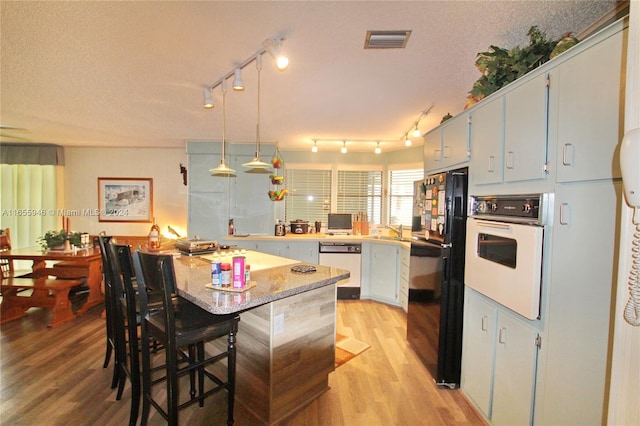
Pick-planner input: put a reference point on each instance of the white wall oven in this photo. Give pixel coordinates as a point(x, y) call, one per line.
point(504, 249)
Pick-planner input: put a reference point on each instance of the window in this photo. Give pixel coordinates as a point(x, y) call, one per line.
point(309, 196)
point(360, 191)
point(401, 195)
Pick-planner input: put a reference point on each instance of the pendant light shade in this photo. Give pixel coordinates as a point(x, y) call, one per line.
point(257, 163)
point(223, 169)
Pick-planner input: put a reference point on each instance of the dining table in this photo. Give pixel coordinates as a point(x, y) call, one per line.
point(89, 257)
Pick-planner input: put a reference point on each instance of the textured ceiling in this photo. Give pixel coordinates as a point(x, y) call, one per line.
point(132, 73)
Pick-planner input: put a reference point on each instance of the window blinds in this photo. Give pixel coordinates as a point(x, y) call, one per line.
point(309, 195)
point(401, 195)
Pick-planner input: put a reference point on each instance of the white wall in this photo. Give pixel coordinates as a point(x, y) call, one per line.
point(83, 166)
point(625, 369)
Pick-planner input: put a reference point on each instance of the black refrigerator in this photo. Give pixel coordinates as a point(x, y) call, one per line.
point(436, 277)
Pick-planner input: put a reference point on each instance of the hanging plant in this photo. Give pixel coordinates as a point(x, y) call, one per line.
point(500, 67)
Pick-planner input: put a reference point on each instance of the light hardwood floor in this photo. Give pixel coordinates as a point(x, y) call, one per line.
point(55, 377)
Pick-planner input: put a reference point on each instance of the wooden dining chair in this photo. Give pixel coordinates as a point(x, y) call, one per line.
point(177, 325)
point(6, 265)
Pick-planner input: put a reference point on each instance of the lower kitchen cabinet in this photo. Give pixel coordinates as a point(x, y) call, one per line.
point(380, 272)
point(499, 359)
point(304, 251)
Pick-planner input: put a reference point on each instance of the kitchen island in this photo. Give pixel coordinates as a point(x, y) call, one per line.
point(286, 336)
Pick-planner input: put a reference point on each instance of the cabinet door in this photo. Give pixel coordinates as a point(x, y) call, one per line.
point(477, 350)
point(271, 247)
point(384, 273)
point(515, 370)
point(455, 141)
point(303, 251)
point(579, 303)
point(487, 142)
point(589, 116)
point(432, 150)
point(526, 130)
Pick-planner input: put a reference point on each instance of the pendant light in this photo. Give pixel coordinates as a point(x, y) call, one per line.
point(257, 163)
point(223, 169)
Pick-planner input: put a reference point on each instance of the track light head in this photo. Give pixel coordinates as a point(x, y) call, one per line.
point(314, 148)
point(407, 141)
point(416, 132)
point(208, 103)
point(344, 147)
point(378, 150)
point(274, 47)
point(238, 84)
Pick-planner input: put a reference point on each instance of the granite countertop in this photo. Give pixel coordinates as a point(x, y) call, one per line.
point(272, 275)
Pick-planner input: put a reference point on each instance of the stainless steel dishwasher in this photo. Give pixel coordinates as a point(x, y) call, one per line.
point(344, 256)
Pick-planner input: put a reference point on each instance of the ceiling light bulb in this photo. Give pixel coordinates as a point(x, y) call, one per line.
point(378, 150)
point(416, 132)
point(344, 147)
point(238, 84)
point(314, 148)
point(407, 141)
point(208, 103)
point(282, 62)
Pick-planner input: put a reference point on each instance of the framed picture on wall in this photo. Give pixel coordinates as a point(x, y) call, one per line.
point(125, 199)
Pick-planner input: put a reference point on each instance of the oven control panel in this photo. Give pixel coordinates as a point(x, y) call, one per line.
point(509, 208)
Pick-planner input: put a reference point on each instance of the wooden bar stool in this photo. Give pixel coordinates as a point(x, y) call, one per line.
point(180, 324)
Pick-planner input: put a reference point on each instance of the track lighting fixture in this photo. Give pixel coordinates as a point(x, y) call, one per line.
point(416, 131)
point(344, 147)
point(223, 169)
point(378, 150)
point(272, 45)
point(208, 103)
point(315, 146)
point(238, 84)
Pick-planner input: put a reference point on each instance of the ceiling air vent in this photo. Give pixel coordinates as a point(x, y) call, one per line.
point(386, 39)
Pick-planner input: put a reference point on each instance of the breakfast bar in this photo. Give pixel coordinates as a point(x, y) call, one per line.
point(286, 337)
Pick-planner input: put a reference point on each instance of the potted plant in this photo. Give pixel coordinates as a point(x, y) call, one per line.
point(54, 240)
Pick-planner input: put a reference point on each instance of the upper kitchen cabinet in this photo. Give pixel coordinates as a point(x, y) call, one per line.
point(586, 99)
point(525, 128)
point(487, 142)
point(447, 145)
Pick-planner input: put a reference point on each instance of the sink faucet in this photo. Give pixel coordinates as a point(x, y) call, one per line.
point(397, 230)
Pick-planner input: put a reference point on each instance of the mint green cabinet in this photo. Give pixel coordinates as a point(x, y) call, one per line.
point(515, 371)
point(525, 140)
point(380, 272)
point(487, 142)
point(586, 100)
point(432, 150)
point(499, 361)
point(478, 336)
point(448, 145)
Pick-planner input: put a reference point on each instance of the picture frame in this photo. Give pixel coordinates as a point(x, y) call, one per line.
point(125, 199)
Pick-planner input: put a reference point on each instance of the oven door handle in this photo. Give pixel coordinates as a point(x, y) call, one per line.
point(494, 225)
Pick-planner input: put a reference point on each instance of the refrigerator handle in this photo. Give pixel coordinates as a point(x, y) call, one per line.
point(445, 271)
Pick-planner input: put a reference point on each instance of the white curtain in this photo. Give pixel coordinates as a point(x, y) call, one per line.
point(28, 202)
